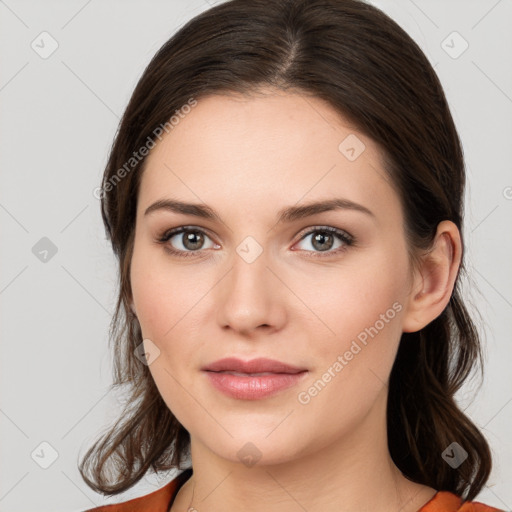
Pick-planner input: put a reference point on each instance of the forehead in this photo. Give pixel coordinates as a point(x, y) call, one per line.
point(265, 149)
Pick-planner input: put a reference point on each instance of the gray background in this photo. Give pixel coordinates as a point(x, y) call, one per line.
point(59, 115)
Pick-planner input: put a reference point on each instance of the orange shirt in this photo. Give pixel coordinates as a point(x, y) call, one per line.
point(161, 500)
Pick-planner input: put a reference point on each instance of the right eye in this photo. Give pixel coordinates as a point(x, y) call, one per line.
point(187, 241)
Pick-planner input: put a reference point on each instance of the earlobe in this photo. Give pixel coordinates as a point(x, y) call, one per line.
point(434, 280)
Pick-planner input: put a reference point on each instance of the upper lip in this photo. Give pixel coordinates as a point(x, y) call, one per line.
point(259, 365)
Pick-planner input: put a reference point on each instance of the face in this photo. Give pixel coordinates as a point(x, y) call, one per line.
point(322, 291)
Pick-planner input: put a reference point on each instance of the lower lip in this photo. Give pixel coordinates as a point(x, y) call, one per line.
point(253, 387)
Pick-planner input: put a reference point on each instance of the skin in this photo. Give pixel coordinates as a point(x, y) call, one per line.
point(247, 157)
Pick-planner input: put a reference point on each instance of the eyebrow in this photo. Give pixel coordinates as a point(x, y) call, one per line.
point(288, 214)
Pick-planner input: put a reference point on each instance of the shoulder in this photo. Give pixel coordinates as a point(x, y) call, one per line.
point(157, 501)
point(444, 501)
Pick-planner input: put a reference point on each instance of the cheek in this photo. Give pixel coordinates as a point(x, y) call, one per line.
point(164, 298)
point(352, 366)
point(351, 300)
point(162, 292)
point(362, 309)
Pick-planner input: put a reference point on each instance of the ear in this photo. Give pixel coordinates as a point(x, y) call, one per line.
point(434, 280)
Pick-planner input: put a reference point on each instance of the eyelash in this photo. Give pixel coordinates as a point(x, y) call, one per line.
point(347, 239)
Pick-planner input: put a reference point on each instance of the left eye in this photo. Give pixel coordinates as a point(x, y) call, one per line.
point(324, 239)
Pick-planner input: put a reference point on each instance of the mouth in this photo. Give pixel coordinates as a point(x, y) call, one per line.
point(252, 380)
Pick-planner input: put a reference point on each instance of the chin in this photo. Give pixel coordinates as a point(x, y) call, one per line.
point(255, 447)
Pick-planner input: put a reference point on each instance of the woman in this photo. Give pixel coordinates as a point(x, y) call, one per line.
point(285, 198)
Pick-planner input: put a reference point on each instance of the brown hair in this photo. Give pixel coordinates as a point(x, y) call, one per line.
point(368, 69)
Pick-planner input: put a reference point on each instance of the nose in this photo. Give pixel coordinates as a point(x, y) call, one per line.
point(251, 297)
